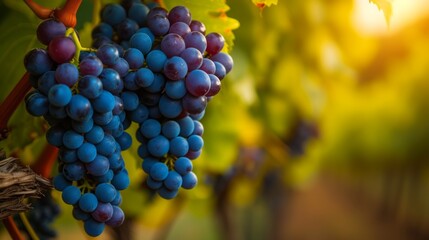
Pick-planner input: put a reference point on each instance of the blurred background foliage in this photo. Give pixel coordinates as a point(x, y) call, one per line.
point(321, 131)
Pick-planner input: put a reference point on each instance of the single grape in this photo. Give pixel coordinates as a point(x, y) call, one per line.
point(153, 184)
point(138, 13)
point(215, 85)
point(180, 28)
point(198, 128)
point(142, 42)
point(158, 24)
point(99, 166)
point(194, 105)
point(111, 80)
point(175, 89)
point(175, 68)
point(102, 29)
point(95, 136)
point(197, 83)
point(90, 86)
point(170, 108)
point(158, 146)
point(93, 228)
point(67, 74)
point(60, 182)
point(90, 65)
point(117, 218)
point(131, 100)
point(55, 135)
point(215, 43)
point(79, 108)
point(167, 193)
point(72, 139)
point(155, 60)
point(102, 118)
point(59, 95)
point(186, 126)
point(103, 212)
point(61, 49)
point(74, 171)
point(220, 70)
point(71, 195)
point(37, 62)
point(197, 26)
point(173, 181)
point(179, 146)
point(179, 14)
point(83, 127)
point(113, 14)
point(87, 152)
point(67, 155)
point(183, 165)
point(224, 59)
point(49, 29)
point(189, 181)
point(104, 103)
point(193, 58)
point(144, 77)
point(157, 85)
point(121, 180)
point(140, 114)
point(208, 66)
point(150, 128)
point(159, 171)
point(107, 146)
point(108, 54)
point(37, 104)
point(172, 44)
point(170, 129)
point(134, 57)
point(196, 40)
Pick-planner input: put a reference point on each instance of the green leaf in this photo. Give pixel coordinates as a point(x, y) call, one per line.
point(213, 14)
point(264, 3)
point(385, 6)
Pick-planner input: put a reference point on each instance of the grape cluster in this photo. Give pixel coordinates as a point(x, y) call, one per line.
point(44, 211)
point(84, 106)
point(174, 70)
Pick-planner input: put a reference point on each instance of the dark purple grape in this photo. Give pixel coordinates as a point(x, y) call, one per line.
point(180, 28)
point(90, 86)
point(49, 29)
point(90, 65)
point(208, 66)
point(67, 74)
point(172, 44)
point(215, 85)
point(61, 49)
point(37, 61)
point(103, 212)
point(179, 14)
point(193, 58)
point(102, 29)
point(194, 105)
point(196, 40)
point(158, 24)
point(108, 54)
point(126, 29)
point(215, 43)
point(122, 67)
point(197, 26)
point(220, 70)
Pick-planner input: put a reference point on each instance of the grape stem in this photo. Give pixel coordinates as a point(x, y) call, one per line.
point(71, 32)
point(28, 226)
point(12, 228)
point(66, 14)
point(11, 103)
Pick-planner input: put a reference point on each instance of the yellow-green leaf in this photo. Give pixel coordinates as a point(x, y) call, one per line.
point(385, 6)
point(264, 3)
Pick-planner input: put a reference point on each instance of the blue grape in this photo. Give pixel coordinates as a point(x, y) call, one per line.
point(153, 184)
point(83, 127)
point(134, 57)
point(124, 141)
point(167, 193)
point(99, 166)
point(170, 108)
point(148, 32)
point(198, 128)
point(95, 136)
point(113, 14)
point(131, 100)
point(189, 180)
point(220, 70)
point(138, 13)
point(197, 83)
point(150, 128)
point(60, 182)
point(193, 154)
point(105, 178)
point(208, 66)
point(173, 181)
point(71, 195)
point(183, 165)
point(93, 228)
point(79, 108)
point(90, 86)
point(67, 155)
point(74, 171)
point(57, 112)
point(225, 59)
point(195, 142)
point(179, 146)
point(55, 135)
point(87, 152)
point(107, 146)
point(72, 139)
point(102, 118)
point(130, 81)
point(142, 42)
point(140, 114)
point(37, 62)
point(67, 74)
point(175, 68)
point(59, 95)
point(104, 103)
point(159, 171)
point(121, 67)
point(79, 214)
point(46, 81)
point(186, 126)
point(105, 192)
point(175, 89)
point(158, 146)
point(142, 151)
point(121, 180)
point(102, 29)
point(157, 84)
point(144, 77)
point(155, 60)
point(170, 129)
point(37, 104)
point(112, 81)
point(108, 54)
point(148, 163)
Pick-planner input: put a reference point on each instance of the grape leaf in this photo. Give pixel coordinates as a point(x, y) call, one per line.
point(385, 6)
point(213, 14)
point(264, 3)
